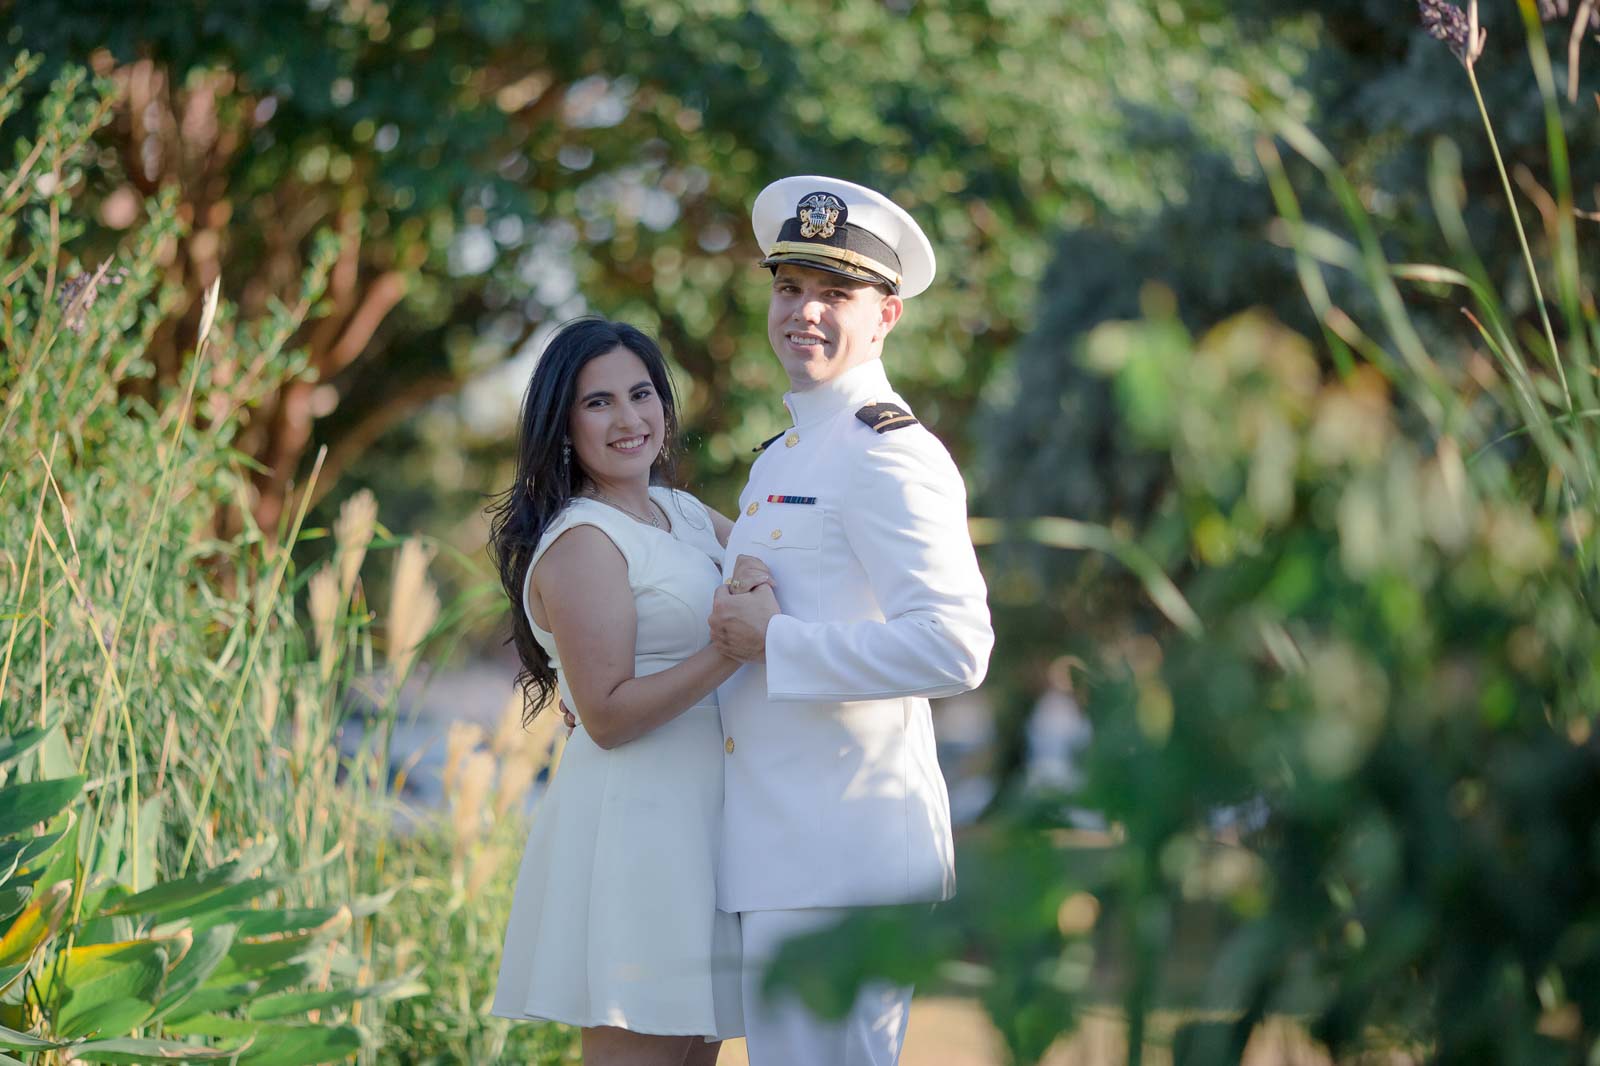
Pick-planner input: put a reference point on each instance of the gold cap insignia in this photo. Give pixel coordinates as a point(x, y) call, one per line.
point(820, 214)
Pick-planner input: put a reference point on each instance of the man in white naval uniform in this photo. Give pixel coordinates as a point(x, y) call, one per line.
point(833, 796)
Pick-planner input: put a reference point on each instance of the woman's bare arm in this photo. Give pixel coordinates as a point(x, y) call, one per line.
point(582, 583)
point(721, 524)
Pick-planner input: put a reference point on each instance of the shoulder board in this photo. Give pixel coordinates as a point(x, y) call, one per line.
point(883, 417)
point(769, 442)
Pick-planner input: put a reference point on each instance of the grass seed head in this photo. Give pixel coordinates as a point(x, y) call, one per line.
point(272, 677)
point(516, 777)
point(459, 742)
point(352, 531)
point(486, 865)
point(325, 605)
point(413, 607)
point(470, 803)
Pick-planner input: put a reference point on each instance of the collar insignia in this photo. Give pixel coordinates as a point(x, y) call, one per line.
point(820, 214)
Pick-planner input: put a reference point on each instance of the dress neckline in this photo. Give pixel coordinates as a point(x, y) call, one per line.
point(670, 530)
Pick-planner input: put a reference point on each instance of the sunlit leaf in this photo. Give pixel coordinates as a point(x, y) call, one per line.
point(130, 1050)
point(191, 893)
point(36, 924)
point(25, 805)
point(12, 1040)
point(210, 947)
point(288, 1004)
point(17, 745)
point(302, 1045)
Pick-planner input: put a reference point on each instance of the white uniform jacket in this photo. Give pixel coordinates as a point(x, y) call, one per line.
point(833, 795)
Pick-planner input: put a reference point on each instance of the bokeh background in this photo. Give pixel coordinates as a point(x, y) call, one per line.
point(1264, 336)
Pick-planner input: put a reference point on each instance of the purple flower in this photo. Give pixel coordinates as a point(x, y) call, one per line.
point(1448, 23)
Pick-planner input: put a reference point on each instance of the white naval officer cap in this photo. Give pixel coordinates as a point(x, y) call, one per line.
point(844, 228)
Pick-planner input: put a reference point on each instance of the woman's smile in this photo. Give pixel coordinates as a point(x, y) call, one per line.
point(631, 445)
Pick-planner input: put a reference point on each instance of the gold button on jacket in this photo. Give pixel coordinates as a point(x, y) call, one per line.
point(728, 746)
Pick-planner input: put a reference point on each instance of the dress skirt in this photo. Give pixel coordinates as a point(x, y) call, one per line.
point(615, 918)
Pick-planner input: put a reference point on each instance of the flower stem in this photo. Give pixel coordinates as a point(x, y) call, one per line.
point(1522, 237)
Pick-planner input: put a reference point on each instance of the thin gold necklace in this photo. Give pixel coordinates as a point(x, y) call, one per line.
point(648, 516)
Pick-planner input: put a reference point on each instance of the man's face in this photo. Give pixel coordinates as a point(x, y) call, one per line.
point(821, 324)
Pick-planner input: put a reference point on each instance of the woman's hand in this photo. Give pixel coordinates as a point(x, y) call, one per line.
point(749, 574)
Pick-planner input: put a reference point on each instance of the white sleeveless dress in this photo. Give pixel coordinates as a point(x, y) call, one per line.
point(615, 918)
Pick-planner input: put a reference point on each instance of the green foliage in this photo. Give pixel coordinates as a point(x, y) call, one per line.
point(1364, 793)
point(1380, 94)
point(172, 681)
point(87, 965)
point(514, 160)
point(469, 905)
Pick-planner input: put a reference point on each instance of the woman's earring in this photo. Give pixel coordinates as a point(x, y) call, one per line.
point(566, 453)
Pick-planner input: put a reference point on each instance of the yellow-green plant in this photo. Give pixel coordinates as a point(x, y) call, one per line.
point(462, 868)
point(190, 969)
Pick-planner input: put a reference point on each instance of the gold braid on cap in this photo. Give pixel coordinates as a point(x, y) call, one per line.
point(841, 255)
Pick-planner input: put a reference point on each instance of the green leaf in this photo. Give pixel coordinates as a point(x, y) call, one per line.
point(296, 1003)
point(90, 962)
point(10, 857)
point(191, 1015)
point(210, 947)
point(12, 899)
point(25, 805)
point(36, 924)
point(55, 757)
point(190, 891)
point(127, 1049)
point(212, 1025)
point(12, 1040)
point(15, 747)
point(63, 864)
point(10, 974)
point(42, 847)
point(365, 906)
point(226, 989)
point(284, 940)
point(120, 1015)
point(25, 853)
point(7, 1060)
point(151, 813)
point(303, 1045)
point(216, 909)
point(265, 923)
point(111, 987)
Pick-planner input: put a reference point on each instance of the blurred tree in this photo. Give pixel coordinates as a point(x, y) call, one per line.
point(492, 165)
point(1380, 93)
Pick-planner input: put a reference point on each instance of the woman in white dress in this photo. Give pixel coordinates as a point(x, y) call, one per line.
point(614, 926)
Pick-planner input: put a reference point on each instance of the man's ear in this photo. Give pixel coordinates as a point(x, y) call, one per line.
point(891, 310)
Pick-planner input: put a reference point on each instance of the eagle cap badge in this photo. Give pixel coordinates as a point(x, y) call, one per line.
point(820, 214)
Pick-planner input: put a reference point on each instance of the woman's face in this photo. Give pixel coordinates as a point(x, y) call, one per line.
point(618, 423)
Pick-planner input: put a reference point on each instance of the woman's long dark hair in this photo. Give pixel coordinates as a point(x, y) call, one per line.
point(548, 476)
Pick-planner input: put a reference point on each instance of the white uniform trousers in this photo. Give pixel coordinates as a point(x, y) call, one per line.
point(783, 1032)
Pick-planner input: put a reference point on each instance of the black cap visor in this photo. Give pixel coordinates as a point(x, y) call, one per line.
point(830, 266)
